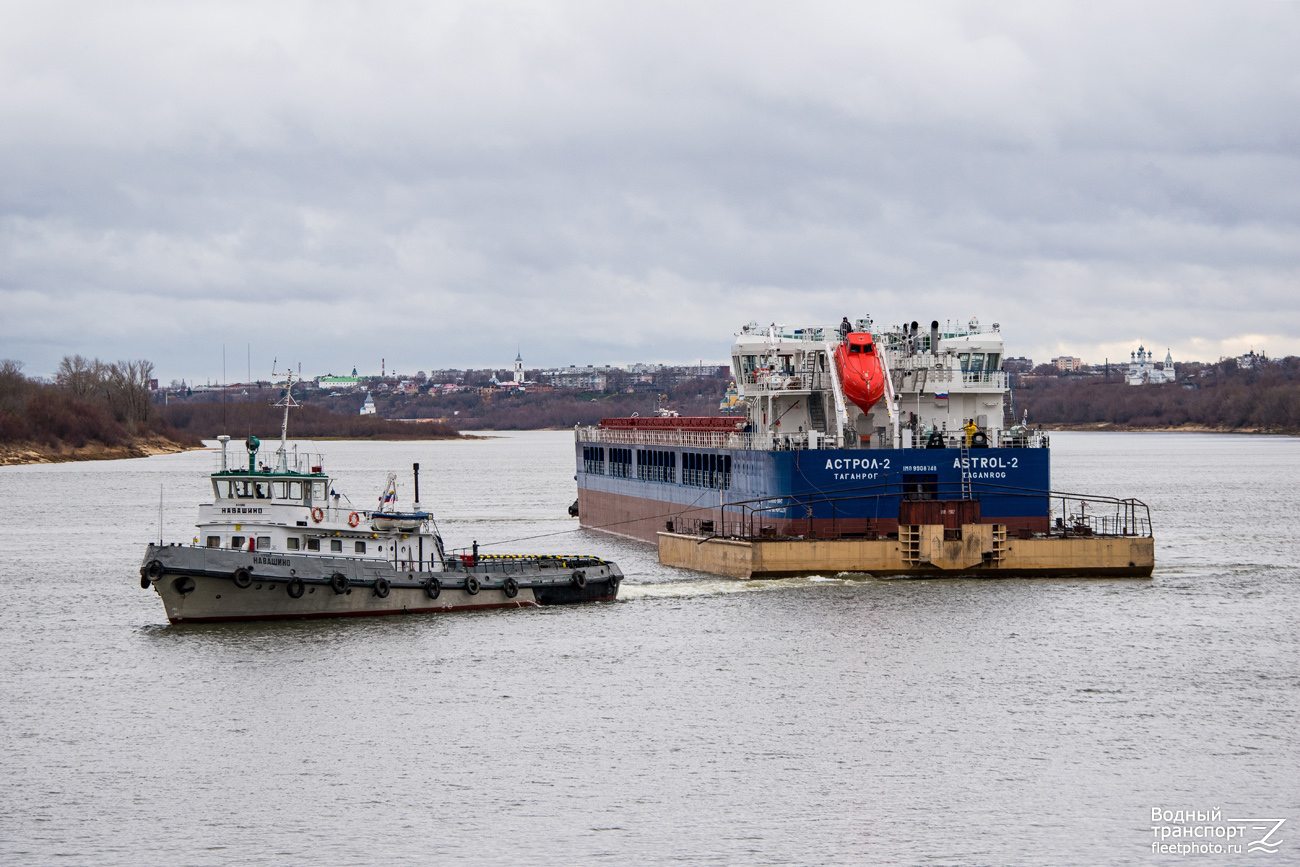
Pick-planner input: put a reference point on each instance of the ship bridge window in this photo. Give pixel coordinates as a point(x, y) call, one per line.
point(222, 487)
point(262, 490)
point(748, 364)
point(280, 489)
point(993, 359)
point(964, 358)
point(318, 491)
point(977, 362)
point(295, 490)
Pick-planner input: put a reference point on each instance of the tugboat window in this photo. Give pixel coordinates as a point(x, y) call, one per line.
point(295, 490)
point(291, 543)
point(360, 547)
point(313, 544)
point(214, 541)
point(263, 490)
point(237, 541)
point(263, 543)
point(336, 546)
point(318, 491)
point(281, 490)
point(223, 489)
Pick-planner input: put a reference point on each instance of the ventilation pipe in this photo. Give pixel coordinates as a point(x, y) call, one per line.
point(934, 335)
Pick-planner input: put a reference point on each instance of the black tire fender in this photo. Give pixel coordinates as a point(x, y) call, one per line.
point(154, 570)
point(471, 585)
point(511, 588)
point(144, 582)
point(339, 583)
point(578, 579)
point(295, 587)
point(243, 578)
point(381, 588)
point(433, 588)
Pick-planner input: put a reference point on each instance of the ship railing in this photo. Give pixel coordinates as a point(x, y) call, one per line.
point(767, 442)
point(299, 462)
point(832, 517)
point(464, 559)
point(988, 378)
point(761, 381)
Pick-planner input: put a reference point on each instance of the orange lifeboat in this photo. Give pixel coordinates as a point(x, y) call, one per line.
point(861, 373)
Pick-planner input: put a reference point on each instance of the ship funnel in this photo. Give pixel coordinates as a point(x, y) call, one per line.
point(934, 335)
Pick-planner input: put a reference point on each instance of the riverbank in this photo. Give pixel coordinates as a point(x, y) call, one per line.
point(16, 454)
point(1186, 428)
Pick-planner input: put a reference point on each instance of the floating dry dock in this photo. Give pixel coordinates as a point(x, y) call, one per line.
point(940, 539)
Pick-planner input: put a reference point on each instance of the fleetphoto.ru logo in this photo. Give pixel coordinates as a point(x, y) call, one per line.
point(1206, 832)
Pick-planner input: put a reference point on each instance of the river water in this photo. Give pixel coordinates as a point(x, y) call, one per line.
point(829, 720)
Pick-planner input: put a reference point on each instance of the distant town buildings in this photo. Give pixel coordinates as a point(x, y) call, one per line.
point(1017, 364)
point(368, 408)
point(1251, 360)
point(340, 382)
point(1143, 369)
point(1068, 363)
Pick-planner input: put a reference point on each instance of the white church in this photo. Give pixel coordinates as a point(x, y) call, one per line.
point(1143, 369)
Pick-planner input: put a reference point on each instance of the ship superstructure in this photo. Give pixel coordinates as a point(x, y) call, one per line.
point(841, 426)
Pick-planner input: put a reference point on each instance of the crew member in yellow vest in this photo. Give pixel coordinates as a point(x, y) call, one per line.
point(971, 430)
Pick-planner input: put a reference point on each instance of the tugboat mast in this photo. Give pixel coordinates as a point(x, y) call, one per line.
point(282, 453)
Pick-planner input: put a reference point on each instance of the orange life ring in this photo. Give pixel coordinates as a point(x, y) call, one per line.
point(317, 514)
point(354, 519)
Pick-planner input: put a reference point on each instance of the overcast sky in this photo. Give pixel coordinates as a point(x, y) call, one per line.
point(440, 184)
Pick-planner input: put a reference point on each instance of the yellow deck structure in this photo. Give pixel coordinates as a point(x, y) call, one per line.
point(921, 551)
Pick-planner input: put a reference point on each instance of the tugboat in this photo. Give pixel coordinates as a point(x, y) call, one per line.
point(275, 543)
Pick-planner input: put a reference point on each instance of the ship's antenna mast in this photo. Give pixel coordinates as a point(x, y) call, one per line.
point(282, 453)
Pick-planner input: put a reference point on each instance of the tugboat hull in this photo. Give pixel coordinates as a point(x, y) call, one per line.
point(199, 585)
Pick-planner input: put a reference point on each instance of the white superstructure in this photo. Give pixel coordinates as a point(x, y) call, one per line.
point(937, 381)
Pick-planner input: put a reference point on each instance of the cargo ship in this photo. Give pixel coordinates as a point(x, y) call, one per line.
point(860, 436)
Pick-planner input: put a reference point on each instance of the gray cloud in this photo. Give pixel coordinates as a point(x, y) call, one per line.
point(436, 184)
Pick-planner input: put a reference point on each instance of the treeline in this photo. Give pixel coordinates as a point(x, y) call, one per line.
point(89, 401)
point(306, 422)
point(1219, 396)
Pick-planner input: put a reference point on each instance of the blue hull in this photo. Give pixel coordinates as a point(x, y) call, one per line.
point(845, 491)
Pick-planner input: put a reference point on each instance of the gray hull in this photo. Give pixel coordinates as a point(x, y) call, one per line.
point(203, 585)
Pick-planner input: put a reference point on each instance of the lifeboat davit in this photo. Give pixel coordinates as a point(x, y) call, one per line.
point(861, 373)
